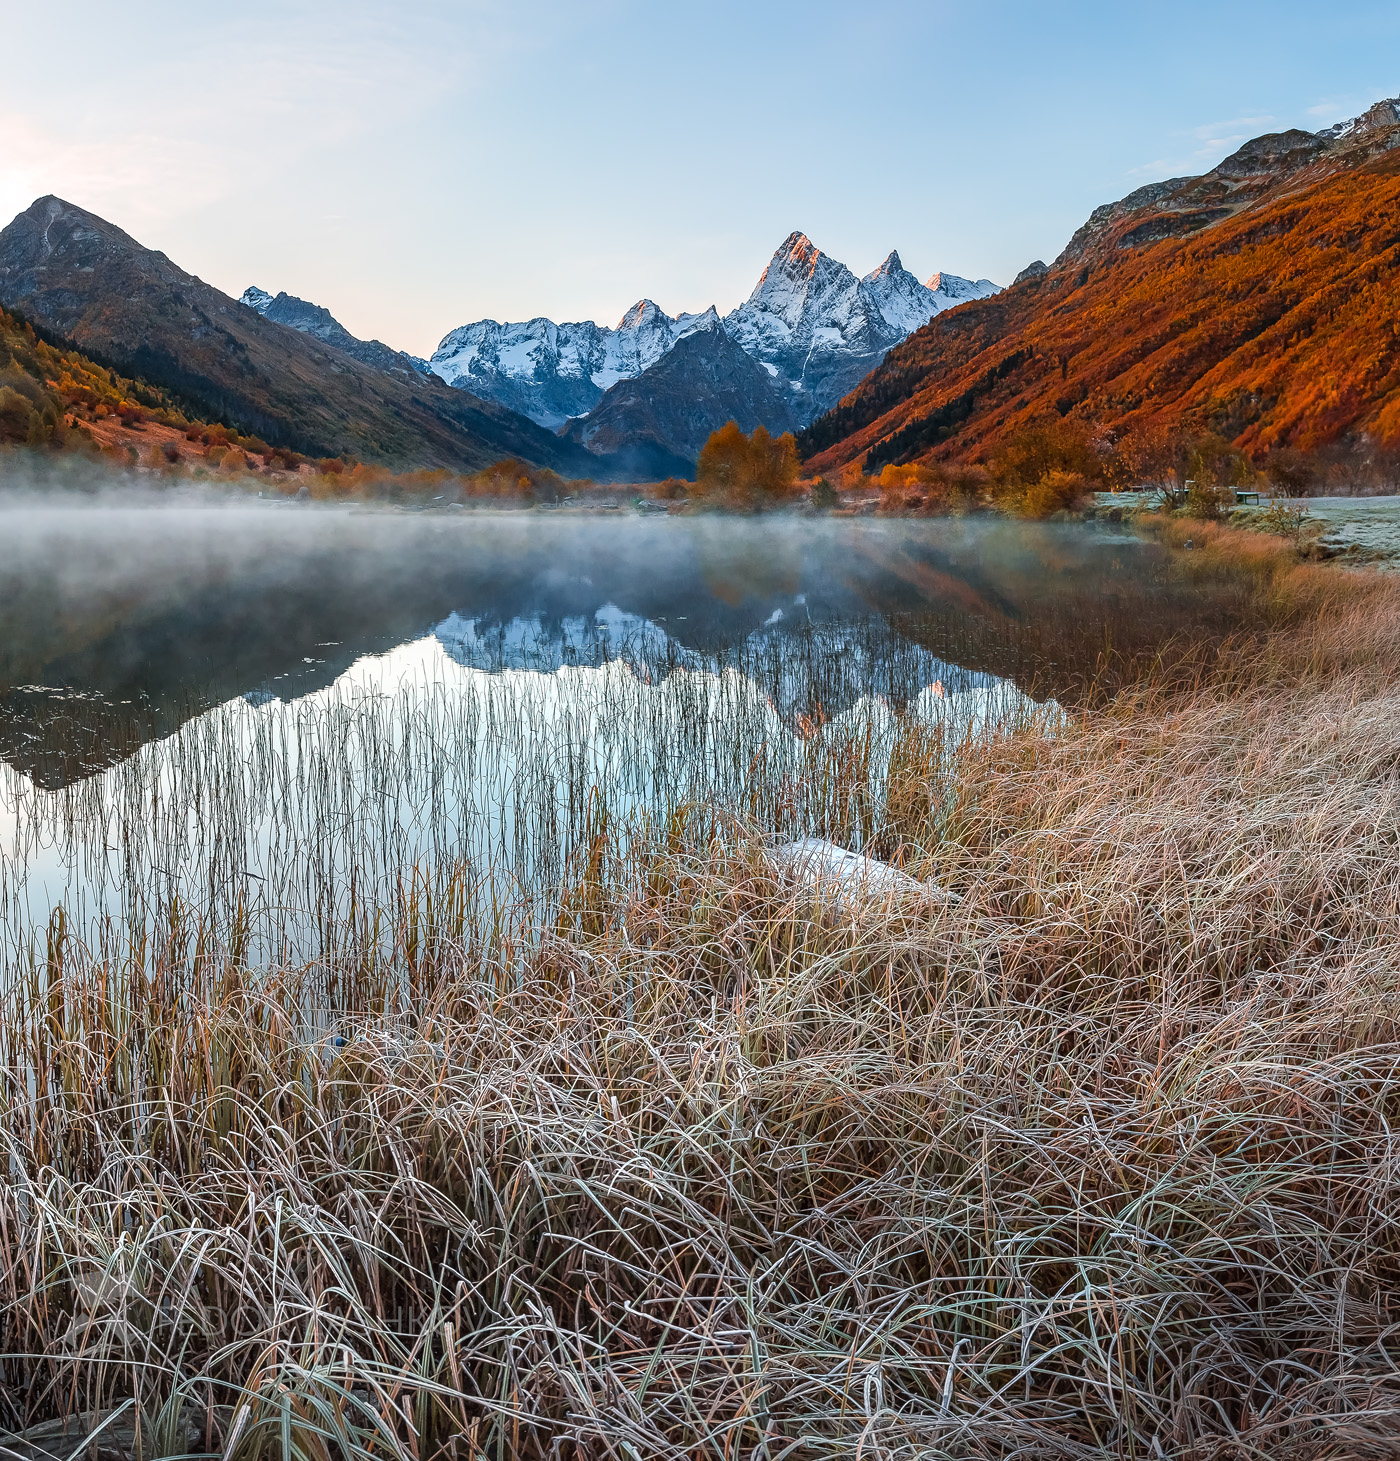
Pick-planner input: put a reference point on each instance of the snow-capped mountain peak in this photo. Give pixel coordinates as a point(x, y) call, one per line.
point(904, 304)
point(809, 321)
point(256, 298)
point(1383, 114)
point(642, 314)
point(799, 284)
point(554, 372)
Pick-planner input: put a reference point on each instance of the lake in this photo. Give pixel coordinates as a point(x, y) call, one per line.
point(285, 719)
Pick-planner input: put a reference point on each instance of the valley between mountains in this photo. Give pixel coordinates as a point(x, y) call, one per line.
point(1253, 305)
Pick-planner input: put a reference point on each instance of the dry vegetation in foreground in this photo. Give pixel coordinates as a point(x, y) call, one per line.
point(1098, 1160)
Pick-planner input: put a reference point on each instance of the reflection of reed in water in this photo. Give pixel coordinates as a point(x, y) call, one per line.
point(287, 815)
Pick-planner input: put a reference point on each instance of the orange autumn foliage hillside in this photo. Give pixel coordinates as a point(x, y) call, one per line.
point(1260, 303)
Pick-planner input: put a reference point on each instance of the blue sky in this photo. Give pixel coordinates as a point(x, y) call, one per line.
point(416, 165)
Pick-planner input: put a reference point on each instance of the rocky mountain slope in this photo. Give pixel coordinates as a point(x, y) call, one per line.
point(86, 281)
point(1257, 301)
point(814, 326)
point(704, 380)
point(311, 319)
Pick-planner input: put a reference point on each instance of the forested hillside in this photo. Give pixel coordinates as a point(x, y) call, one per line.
point(1257, 303)
point(52, 397)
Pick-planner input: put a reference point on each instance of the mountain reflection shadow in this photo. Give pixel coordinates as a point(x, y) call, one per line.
point(117, 626)
point(275, 718)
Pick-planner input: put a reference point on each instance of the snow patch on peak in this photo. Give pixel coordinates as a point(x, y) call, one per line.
point(255, 298)
point(688, 324)
point(892, 265)
point(796, 254)
point(1383, 114)
point(952, 289)
point(644, 312)
point(904, 304)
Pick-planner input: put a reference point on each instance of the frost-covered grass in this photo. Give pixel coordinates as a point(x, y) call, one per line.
point(1096, 1159)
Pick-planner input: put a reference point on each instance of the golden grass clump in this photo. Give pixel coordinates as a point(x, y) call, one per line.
point(1096, 1159)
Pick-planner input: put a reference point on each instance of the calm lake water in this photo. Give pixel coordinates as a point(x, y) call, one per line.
point(300, 713)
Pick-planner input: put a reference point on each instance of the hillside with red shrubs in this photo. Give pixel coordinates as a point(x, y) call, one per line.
point(1259, 303)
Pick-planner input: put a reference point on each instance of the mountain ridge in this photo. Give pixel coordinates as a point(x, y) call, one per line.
point(1252, 301)
point(93, 285)
point(818, 339)
point(313, 319)
point(553, 372)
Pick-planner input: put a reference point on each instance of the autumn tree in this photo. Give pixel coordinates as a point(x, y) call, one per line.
point(747, 472)
point(1045, 467)
point(1291, 472)
point(15, 412)
point(1147, 456)
point(930, 488)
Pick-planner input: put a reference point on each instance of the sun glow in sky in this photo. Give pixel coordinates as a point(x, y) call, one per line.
point(416, 165)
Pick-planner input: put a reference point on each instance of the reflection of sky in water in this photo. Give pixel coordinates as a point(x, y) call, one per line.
point(484, 742)
point(290, 713)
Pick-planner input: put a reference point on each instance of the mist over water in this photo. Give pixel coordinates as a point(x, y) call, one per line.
point(286, 714)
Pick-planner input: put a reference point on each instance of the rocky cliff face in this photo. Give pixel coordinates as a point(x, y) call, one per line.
point(311, 319)
point(1179, 207)
point(699, 384)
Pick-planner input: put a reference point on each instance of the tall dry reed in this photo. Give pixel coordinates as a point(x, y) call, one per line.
point(1097, 1159)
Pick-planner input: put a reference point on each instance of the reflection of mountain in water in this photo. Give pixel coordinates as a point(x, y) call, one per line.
point(810, 669)
point(130, 623)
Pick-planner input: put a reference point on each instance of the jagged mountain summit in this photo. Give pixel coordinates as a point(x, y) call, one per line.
point(950, 289)
point(554, 372)
point(817, 327)
point(312, 319)
point(810, 322)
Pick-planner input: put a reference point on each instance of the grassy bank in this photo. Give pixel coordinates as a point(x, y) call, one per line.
point(1096, 1159)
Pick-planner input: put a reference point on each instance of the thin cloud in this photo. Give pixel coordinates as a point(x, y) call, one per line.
point(217, 134)
point(1335, 109)
point(1213, 142)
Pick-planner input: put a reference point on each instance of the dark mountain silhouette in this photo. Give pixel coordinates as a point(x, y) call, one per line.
point(703, 381)
point(313, 319)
